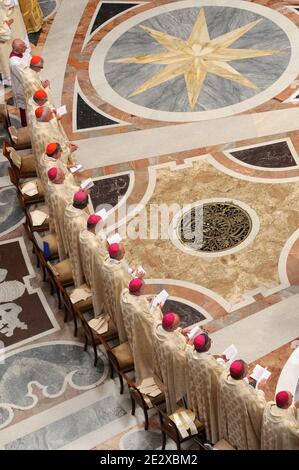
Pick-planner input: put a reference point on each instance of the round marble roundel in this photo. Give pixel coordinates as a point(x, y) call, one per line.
point(188, 62)
point(223, 225)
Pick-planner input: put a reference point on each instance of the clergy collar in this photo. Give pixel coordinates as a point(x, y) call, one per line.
point(16, 54)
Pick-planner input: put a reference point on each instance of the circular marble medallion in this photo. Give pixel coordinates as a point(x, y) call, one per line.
point(195, 60)
point(222, 226)
point(214, 227)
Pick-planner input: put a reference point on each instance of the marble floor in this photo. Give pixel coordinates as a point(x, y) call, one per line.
point(188, 104)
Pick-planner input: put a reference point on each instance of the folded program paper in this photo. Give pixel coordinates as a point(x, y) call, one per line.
point(260, 373)
point(79, 294)
point(30, 188)
point(76, 168)
point(103, 214)
point(100, 325)
point(195, 330)
point(116, 238)
point(61, 111)
point(87, 184)
point(230, 352)
point(38, 217)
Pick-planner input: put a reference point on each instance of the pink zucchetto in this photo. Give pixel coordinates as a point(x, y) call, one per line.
point(200, 341)
point(52, 173)
point(93, 219)
point(168, 320)
point(80, 196)
point(282, 399)
point(135, 284)
point(113, 250)
point(236, 369)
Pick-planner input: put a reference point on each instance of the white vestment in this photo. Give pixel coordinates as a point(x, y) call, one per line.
point(202, 376)
point(280, 428)
point(240, 411)
point(115, 278)
point(138, 320)
point(169, 362)
point(74, 222)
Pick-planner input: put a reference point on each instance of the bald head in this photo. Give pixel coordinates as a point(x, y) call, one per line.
point(19, 46)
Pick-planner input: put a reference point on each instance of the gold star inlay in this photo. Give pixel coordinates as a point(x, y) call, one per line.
point(196, 57)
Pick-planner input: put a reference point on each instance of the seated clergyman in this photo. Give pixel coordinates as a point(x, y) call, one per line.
point(280, 427)
point(240, 408)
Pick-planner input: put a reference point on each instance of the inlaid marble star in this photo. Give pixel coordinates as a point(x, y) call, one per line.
point(196, 57)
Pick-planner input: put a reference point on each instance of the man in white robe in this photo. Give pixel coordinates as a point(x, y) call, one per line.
point(240, 408)
point(139, 318)
point(61, 192)
point(32, 80)
point(202, 376)
point(169, 359)
point(75, 219)
point(18, 60)
point(280, 427)
point(115, 276)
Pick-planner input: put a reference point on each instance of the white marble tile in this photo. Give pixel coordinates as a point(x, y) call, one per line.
point(262, 332)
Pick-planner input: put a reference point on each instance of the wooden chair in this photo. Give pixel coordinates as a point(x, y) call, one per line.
point(120, 359)
point(169, 428)
point(59, 274)
point(138, 397)
point(25, 168)
point(76, 310)
point(19, 138)
point(94, 338)
point(25, 200)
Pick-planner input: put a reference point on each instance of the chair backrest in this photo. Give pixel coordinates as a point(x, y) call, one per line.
point(134, 391)
point(4, 116)
point(167, 425)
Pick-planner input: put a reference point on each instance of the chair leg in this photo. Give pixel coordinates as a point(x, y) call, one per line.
point(163, 440)
point(65, 314)
point(178, 445)
point(133, 406)
point(44, 274)
point(95, 355)
point(121, 384)
point(59, 299)
point(86, 342)
point(76, 325)
point(52, 288)
point(37, 262)
point(145, 419)
point(111, 370)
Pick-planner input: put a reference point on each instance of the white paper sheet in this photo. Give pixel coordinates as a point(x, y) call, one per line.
point(116, 238)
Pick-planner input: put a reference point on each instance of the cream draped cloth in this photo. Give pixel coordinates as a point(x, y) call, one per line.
point(74, 222)
point(96, 282)
point(240, 411)
point(202, 377)
point(45, 163)
point(169, 363)
point(32, 14)
point(91, 245)
point(280, 428)
point(115, 278)
point(138, 321)
point(43, 133)
point(32, 82)
point(59, 196)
